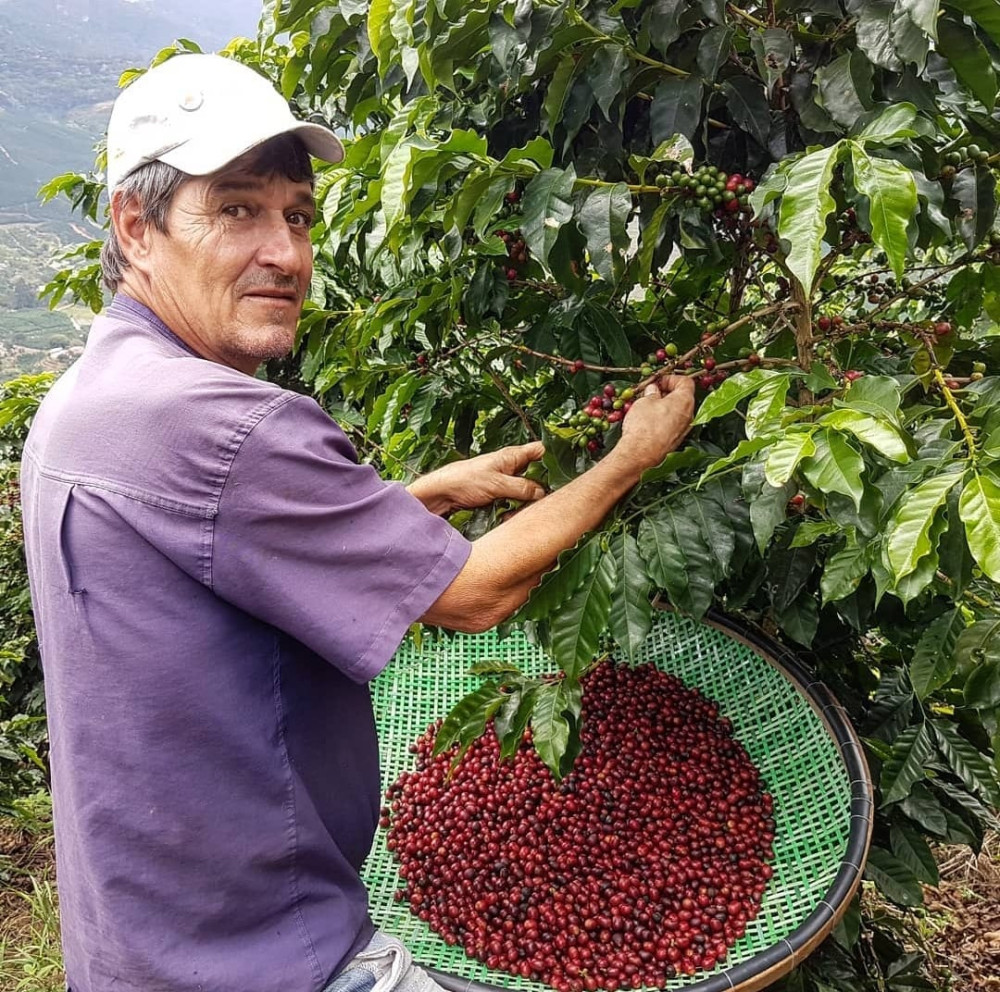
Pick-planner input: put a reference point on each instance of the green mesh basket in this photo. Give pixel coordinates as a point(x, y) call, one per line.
point(794, 730)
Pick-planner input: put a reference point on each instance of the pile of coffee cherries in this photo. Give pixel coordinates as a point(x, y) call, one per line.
point(647, 861)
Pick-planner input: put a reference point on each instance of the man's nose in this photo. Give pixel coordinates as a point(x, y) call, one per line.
point(279, 247)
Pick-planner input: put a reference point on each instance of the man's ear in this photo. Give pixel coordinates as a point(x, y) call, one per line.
point(133, 232)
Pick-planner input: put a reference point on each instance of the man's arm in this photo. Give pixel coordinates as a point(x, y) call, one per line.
point(508, 562)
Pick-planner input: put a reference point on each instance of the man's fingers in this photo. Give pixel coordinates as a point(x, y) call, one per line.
point(518, 457)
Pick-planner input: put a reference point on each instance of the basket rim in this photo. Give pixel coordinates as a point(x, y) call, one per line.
point(771, 963)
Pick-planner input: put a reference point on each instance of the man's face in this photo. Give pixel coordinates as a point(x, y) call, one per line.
point(231, 274)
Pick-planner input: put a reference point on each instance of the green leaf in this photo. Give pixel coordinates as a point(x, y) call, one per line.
point(966, 762)
point(969, 59)
point(933, 661)
point(922, 807)
point(631, 610)
point(986, 13)
point(676, 108)
point(977, 645)
point(548, 205)
point(835, 467)
point(800, 619)
point(576, 627)
point(923, 13)
point(607, 74)
point(678, 559)
point(810, 531)
point(561, 584)
point(766, 409)
point(603, 218)
point(558, 90)
point(893, 878)
point(909, 846)
point(845, 87)
point(975, 191)
point(749, 108)
point(878, 434)
point(843, 572)
point(664, 23)
point(713, 50)
point(910, 752)
point(773, 49)
point(379, 33)
point(877, 395)
point(673, 462)
point(768, 503)
point(874, 34)
point(982, 688)
point(895, 122)
point(550, 729)
point(908, 534)
point(979, 508)
point(512, 719)
point(652, 235)
point(467, 719)
point(492, 666)
point(805, 206)
point(742, 451)
point(728, 396)
point(892, 197)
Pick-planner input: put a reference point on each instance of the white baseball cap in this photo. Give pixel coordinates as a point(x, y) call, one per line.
point(199, 113)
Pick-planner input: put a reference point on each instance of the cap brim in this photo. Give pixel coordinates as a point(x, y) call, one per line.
point(193, 158)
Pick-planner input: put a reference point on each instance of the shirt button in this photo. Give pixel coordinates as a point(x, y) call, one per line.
point(192, 101)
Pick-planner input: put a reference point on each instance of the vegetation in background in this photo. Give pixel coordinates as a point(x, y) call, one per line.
point(517, 226)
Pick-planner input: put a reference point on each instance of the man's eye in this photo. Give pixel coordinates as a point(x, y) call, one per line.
point(300, 218)
point(237, 210)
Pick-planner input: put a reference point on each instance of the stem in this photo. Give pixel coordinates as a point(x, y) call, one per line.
point(672, 70)
point(749, 18)
point(949, 398)
point(803, 335)
point(569, 362)
point(505, 393)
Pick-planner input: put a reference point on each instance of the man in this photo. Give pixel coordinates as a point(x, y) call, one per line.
point(216, 578)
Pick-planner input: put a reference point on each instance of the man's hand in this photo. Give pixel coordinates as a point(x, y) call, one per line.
point(657, 423)
point(481, 480)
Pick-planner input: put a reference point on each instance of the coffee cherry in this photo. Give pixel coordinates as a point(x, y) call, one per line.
point(421, 359)
point(797, 500)
point(853, 374)
point(824, 323)
point(942, 328)
point(952, 384)
point(662, 180)
point(671, 349)
point(513, 196)
point(579, 365)
point(753, 359)
point(709, 364)
point(511, 275)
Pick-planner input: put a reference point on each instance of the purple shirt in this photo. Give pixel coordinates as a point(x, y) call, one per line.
point(215, 579)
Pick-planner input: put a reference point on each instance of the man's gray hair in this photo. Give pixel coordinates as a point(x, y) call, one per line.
point(154, 185)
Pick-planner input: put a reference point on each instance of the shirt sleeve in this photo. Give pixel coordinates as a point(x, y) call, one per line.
point(317, 545)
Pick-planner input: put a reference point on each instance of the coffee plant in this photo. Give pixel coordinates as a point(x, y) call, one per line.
point(544, 205)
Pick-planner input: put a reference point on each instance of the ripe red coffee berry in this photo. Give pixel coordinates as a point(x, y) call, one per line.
point(511, 275)
point(824, 323)
point(709, 363)
point(610, 391)
point(661, 354)
point(942, 327)
point(513, 197)
point(579, 365)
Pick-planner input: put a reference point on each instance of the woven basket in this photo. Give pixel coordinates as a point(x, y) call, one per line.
point(794, 730)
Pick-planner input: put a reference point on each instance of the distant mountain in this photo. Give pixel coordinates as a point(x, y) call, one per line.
point(59, 66)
